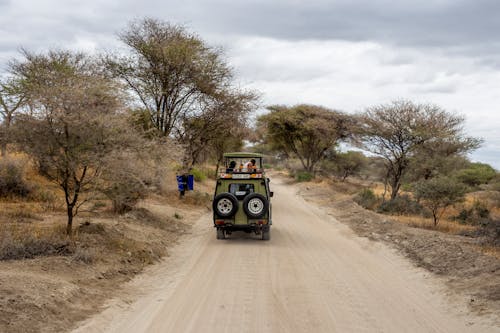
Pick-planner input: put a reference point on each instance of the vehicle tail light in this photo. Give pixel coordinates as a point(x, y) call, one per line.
point(262, 222)
point(219, 222)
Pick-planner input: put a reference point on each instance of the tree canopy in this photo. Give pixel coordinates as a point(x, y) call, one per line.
point(74, 121)
point(403, 130)
point(170, 70)
point(11, 101)
point(305, 131)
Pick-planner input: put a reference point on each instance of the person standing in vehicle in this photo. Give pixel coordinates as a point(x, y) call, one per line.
point(250, 165)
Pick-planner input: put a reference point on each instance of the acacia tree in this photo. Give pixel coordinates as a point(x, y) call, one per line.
point(399, 131)
point(74, 124)
point(348, 163)
point(170, 70)
point(220, 127)
point(305, 131)
point(11, 101)
point(439, 193)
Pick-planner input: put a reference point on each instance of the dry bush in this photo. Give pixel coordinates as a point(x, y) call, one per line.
point(12, 182)
point(197, 198)
point(84, 254)
point(21, 241)
point(401, 205)
point(366, 198)
point(125, 180)
point(131, 173)
point(445, 226)
point(48, 199)
point(13, 212)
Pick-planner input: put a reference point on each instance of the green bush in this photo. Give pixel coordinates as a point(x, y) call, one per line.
point(303, 176)
point(477, 174)
point(12, 181)
point(366, 199)
point(438, 193)
point(476, 214)
point(402, 204)
point(199, 175)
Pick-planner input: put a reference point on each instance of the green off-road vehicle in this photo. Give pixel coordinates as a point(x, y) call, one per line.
point(242, 200)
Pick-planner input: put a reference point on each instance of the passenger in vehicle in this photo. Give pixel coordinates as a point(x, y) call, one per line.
point(231, 167)
point(250, 165)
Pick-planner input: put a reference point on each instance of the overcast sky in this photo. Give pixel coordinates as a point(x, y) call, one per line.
point(346, 54)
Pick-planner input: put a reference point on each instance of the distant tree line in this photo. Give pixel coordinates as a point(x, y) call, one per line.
point(420, 146)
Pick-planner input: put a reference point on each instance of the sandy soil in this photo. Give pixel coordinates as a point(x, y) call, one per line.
point(315, 275)
point(53, 293)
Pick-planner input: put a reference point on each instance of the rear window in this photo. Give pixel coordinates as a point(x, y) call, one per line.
point(241, 190)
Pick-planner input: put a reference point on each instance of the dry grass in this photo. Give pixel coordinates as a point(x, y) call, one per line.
point(12, 212)
point(490, 250)
point(20, 240)
point(444, 225)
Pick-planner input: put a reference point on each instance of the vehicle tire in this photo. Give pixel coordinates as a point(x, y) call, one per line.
point(255, 205)
point(266, 234)
point(220, 233)
point(225, 204)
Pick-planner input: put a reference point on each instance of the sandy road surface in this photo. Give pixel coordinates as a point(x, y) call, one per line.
point(313, 276)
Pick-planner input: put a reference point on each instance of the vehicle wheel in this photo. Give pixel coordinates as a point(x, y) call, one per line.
point(266, 234)
point(225, 204)
point(255, 205)
point(220, 233)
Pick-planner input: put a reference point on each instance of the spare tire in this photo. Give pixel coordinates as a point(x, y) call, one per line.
point(255, 205)
point(225, 204)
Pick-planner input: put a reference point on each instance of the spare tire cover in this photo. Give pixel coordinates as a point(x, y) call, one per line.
point(255, 205)
point(225, 204)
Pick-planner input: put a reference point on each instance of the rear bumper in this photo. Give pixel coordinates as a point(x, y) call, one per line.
point(256, 225)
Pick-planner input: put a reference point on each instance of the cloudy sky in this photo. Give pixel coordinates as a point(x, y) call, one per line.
point(343, 54)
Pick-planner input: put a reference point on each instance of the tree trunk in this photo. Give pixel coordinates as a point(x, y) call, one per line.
point(395, 189)
point(217, 168)
point(69, 226)
point(435, 217)
point(395, 185)
point(6, 136)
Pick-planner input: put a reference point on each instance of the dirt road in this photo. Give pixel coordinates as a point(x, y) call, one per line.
point(314, 275)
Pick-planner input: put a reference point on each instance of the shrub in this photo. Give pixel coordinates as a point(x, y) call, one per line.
point(476, 214)
point(84, 255)
point(366, 199)
point(12, 181)
point(348, 163)
point(47, 199)
point(197, 198)
point(124, 181)
point(20, 242)
point(477, 174)
point(199, 175)
point(438, 193)
point(402, 204)
point(303, 176)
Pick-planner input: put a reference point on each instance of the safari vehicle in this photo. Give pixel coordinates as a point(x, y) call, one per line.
point(242, 199)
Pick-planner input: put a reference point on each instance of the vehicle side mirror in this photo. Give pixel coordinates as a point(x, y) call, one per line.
point(271, 194)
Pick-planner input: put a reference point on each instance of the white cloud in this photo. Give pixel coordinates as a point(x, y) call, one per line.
point(353, 75)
